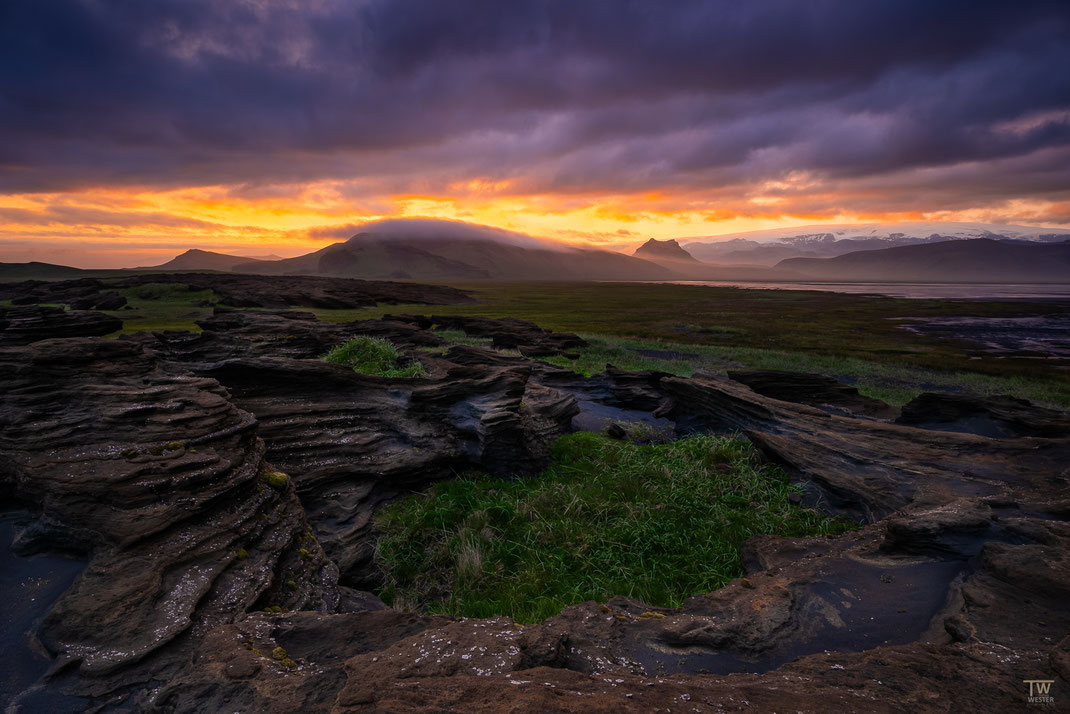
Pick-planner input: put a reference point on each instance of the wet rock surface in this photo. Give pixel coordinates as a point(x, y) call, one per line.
point(506, 333)
point(163, 490)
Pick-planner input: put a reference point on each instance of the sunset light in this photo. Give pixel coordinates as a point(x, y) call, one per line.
point(509, 356)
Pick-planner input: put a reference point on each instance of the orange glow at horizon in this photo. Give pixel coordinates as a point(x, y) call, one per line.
point(126, 227)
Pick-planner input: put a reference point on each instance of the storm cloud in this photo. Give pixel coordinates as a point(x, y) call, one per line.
point(801, 102)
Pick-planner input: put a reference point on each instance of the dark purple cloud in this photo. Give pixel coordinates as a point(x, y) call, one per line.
point(567, 96)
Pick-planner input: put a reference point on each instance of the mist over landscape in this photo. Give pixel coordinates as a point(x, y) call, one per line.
point(588, 356)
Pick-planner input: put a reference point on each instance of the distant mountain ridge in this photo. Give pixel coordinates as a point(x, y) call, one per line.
point(981, 260)
point(769, 247)
point(37, 270)
point(432, 250)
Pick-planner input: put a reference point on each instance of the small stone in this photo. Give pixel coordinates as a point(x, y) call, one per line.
point(242, 668)
point(959, 628)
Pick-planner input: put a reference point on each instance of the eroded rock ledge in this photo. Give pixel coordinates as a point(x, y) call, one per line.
point(156, 464)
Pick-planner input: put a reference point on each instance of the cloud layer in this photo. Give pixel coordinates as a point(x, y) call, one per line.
point(767, 109)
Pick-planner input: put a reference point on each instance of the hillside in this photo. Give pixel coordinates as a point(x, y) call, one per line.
point(460, 256)
point(37, 271)
point(197, 259)
point(979, 260)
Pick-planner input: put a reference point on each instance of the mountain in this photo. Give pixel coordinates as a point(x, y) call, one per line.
point(366, 256)
point(669, 254)
point(810, 245)
point(197, 259)
point(446, 250)
point(769, 247)
point(982, 260)
point(664, 251)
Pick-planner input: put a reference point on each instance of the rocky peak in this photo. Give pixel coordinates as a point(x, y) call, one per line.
point(661, 250)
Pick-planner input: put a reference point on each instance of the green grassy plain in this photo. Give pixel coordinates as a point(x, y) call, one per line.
point(856, 338)
point(158, 307)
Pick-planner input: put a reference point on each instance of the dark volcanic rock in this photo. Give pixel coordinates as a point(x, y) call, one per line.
point(150, 461)
point(353, 442)
point(944, 596)
point(157, 479)
point(23, 325)
point(999, 417)
point(239, 291)
point(817, 390)
point(99, 301)
point(507, 333)
point(866, 468)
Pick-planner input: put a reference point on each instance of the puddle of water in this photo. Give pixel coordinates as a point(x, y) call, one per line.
point(594, 416)
point(932, 291)
point(1047, 335)
point(853, 606)
point(29, 587)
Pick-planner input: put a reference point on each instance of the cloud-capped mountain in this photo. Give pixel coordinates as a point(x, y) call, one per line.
point(447, 250)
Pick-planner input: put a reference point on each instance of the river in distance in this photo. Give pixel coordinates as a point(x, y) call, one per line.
point(932, 291)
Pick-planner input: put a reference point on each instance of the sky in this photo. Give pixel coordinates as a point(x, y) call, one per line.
point(133, 130)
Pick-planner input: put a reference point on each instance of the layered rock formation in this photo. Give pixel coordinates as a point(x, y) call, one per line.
point(817, 390)
point(174, 486)
point(237, 291)
point(999, 417)
point(158, 482)
point(23, 325)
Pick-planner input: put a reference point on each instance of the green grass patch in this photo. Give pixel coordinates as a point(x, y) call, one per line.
point(460, 338)
point(373, 355)
point(658, 523)
point(893, 382)
point(159, 307)
point(165, 292)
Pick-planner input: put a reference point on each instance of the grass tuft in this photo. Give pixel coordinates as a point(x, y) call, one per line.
point(373, 355)
point(657, 523)
point(275, 479)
